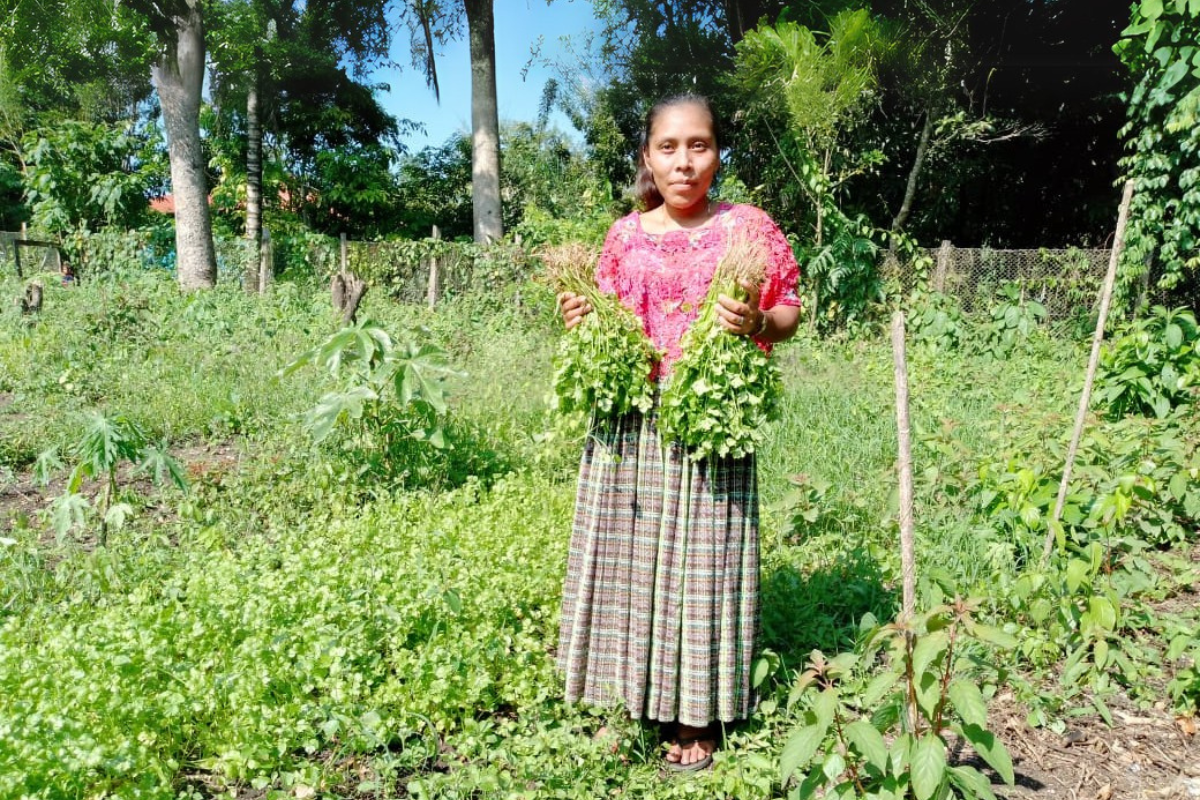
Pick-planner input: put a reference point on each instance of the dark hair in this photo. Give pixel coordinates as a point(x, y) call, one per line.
point(643, 186)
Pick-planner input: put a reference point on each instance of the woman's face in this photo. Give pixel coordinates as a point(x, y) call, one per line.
point(682, 156)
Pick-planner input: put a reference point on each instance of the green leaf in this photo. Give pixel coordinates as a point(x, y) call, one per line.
point(880, 685)
point(991, 750)
point(800, 749)
point(968, 702)
point(1152, 9)
point(1174, 333)
point(868, 742)
point(930, 648)
point(824, 707)
point(972, 783)
point(116, 515)
point(928, 767)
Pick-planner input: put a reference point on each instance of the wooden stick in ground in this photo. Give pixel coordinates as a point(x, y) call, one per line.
point(908, 560)
point(1085, 400)
point(908, 557)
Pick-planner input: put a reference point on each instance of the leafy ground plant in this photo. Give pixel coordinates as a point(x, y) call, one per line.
point(603, 363)
point(370, 364)
point(887, 736)
point(105, 444)
point(724, 388)
point(1152, 366)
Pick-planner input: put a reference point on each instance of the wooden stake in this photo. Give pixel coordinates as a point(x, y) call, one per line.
point(433, 289)
point(908, 561)
point(908, 558)
point(1110, 279)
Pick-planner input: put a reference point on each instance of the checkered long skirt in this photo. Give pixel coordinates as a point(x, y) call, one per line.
point(660, 603)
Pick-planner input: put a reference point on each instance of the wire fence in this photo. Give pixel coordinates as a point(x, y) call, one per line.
point(1066, 282)
point(24, 256)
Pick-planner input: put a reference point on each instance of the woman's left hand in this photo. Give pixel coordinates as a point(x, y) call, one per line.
point(741, 318)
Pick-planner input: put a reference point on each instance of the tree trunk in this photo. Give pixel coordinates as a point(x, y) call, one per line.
point(911, 189)
point(485, 122)
point(179, 75)
point(253, 265)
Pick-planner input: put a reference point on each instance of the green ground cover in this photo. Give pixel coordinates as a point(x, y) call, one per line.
point(316, 621)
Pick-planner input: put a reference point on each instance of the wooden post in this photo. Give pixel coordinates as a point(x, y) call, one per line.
point(266, 264)
point(17, 251)
point(347, 288)
point(908, 557)
point(908, 561)
point(432, 291)
point(943, 263)
point(1110, 279)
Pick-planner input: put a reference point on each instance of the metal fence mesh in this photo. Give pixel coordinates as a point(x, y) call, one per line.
point(32, 259)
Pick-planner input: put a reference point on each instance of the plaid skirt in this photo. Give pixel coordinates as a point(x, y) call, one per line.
point(661, 601)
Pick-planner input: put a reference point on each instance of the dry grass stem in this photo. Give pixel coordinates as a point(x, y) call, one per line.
point(571, 267)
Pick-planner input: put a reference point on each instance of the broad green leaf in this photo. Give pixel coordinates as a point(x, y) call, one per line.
point(1179, 485)
point(824, 707)
point(1174, 333)
point(880, 685)
point(1151, 9)
point(930, 647)
point(800, 749)
point(900, 752)
point(928, 766)
point(991, 750)
point(1078, 574)
point(968, 702)
point(972, 783)
point(833, 766)
point(1100, 653)
point(1103, 613)
point(868, 742)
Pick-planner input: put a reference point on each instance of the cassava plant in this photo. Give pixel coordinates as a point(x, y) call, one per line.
point(370, 365)
point(105, 444)
point(888, 735)
point(603, 363)
point(724, 388)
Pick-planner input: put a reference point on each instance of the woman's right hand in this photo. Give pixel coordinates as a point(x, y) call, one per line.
point(573, 307)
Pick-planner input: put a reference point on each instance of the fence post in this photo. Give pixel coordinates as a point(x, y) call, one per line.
point(345, 254)
point(266, 264)
point(943, 263)
point(431, 293)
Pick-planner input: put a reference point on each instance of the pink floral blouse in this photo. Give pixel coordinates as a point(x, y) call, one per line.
point(663, 277)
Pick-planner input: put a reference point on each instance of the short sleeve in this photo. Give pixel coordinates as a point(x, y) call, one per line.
point(783, 273)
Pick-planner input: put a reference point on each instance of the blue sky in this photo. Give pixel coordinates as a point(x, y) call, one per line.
point(519, 23)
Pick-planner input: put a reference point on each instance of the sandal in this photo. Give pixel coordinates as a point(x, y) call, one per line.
point(695, 766)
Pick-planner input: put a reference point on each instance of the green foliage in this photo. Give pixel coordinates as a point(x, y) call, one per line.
point(936, 321)
point(868, 733)
point(723, 389)
point(1151, 366)
point(1162, 139)
point(78, 175)
point(369, 367)
point(603, 364)
point(1013, 320)
point(104, 445)
point(841, 275)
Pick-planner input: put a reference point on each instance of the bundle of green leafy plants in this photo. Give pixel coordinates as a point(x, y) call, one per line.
point(724, 388)
point(603, 364)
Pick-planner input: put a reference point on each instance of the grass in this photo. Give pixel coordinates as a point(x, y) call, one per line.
point(292, 627)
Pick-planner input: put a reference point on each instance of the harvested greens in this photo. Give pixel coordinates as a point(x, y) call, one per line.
point(603, 363)
point(724, 388)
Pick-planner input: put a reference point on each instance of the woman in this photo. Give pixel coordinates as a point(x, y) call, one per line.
point(660, 603)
